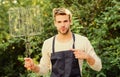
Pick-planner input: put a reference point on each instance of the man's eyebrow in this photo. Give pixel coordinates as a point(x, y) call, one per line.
point(65, 20)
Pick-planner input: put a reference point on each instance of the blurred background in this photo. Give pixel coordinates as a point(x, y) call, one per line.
point(25, 24)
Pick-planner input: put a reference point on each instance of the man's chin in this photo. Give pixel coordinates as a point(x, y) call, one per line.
point(64, 33)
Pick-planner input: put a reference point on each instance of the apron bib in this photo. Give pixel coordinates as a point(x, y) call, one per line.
point(64, 63)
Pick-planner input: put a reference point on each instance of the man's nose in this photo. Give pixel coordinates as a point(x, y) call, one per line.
point(62, 24)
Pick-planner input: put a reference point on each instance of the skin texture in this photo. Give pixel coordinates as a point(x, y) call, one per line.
point(62, 24)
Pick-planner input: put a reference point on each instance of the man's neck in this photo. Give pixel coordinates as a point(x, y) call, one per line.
point(64, 37)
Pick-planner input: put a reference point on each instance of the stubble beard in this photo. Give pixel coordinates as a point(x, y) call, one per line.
point(64, 33)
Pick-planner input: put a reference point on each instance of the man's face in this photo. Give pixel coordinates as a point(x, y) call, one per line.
point(62, 23)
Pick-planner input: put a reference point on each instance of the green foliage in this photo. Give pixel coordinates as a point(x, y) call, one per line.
point(10, 51)
point(99, 20)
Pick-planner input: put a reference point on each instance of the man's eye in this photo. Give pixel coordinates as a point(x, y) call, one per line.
point(59, 21)
point(66, 21)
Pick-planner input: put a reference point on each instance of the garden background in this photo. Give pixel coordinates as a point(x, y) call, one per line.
point(99, 20)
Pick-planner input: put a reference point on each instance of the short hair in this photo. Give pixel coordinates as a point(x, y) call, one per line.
point(62, 11)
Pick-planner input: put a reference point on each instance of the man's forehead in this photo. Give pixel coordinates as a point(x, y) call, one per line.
point(62, 17)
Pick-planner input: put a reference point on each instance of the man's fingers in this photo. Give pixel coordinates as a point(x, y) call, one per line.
point(77, 50)
point(26, 59)
point(73, 50)
point(28, 63)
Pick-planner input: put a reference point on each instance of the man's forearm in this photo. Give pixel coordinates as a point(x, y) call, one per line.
point(90, 60)
point(36, 69)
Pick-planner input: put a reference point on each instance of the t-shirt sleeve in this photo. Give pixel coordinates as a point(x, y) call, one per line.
point(90, 50)
point(45, 59)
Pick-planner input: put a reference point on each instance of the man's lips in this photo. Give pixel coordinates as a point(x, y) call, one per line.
point(63, 29)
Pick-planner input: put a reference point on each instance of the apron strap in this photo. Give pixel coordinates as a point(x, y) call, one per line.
point(73, 35)
point(53, 44)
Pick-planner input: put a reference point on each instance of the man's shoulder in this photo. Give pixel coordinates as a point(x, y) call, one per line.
point(80, 36)
point(49, 40)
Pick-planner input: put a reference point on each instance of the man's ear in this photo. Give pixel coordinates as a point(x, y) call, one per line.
point(54, 23)
point(70, 22)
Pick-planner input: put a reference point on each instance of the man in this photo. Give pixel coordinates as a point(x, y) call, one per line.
point(64, 53)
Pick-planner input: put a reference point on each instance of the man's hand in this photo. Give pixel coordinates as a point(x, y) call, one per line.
point(29, 64)
point(79, 54)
